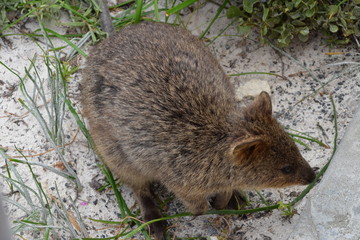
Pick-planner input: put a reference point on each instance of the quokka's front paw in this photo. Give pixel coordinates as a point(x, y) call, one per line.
point(199, 208)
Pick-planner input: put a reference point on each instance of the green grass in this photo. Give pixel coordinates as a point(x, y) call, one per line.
point(47, 99)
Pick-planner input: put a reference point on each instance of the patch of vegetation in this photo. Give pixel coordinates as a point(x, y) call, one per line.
point(283, 21)
point(83, 14)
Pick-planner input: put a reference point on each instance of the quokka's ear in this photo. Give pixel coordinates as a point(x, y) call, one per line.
point(246, 148)
point(260, 107)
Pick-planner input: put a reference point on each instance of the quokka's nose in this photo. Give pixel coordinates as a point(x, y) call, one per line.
point(309, 176)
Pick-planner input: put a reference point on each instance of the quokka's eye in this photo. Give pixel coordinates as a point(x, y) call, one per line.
point(288, 170)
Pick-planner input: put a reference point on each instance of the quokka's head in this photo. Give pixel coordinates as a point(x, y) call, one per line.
point(266, 154)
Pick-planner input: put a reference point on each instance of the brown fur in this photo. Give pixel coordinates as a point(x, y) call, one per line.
point(161, 109)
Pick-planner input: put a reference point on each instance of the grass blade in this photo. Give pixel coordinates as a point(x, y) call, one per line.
point(322, 170)
point(18, 20)
point(179, 7)
point(67, 41)
point(221, 8)
point(139, 6)
point(124, 210)
point(311, 139)
point(262, 73)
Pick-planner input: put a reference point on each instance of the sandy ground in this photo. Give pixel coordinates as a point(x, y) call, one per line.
point(313, 116)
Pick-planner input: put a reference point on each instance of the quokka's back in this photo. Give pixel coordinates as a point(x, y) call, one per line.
point(153, 90)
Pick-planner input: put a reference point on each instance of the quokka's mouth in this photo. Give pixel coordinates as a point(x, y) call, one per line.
point(306, 181)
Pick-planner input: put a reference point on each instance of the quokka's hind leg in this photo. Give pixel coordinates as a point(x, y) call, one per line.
point(149, 210)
